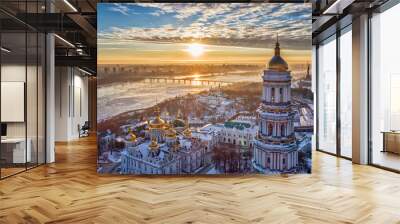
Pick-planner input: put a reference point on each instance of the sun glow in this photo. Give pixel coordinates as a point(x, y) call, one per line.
point(196, 76)
point(195, 49)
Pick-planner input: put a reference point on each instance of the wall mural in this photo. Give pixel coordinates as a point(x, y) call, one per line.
point(198, 88)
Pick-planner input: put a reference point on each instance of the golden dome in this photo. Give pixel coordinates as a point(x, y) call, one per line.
point(277, 63)
point(170, 132)
point(153, 146)
point(157, 122)
point(167, 126)
point(132, 137)
point(187, 132)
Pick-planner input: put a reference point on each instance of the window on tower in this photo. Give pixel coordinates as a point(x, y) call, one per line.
point(272, 94)
point(281, 94)
point(270, 129)
point(283, 130)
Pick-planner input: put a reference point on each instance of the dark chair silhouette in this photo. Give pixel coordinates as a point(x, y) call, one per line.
point(84, 130)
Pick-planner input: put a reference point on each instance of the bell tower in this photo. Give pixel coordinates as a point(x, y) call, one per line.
point(275, 148)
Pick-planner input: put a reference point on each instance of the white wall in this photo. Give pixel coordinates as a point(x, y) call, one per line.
point(61, 103)
point(13, 73)
point(71, 94)
point(33, 126)
point(80, 110)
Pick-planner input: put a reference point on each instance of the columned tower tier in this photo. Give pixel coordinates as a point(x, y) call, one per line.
point(276, 86)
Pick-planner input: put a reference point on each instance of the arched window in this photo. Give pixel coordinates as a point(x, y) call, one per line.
point(270, 129)
point(234, 141)
point(281, 94)
point(283, 130)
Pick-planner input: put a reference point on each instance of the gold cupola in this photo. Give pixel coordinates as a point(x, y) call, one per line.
point(187, 132)
point(157, 123)
point(131, 136)
point(277, 63)
point(169, 131)
point(153, 146)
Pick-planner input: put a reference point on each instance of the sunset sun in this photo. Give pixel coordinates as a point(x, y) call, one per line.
point(195, 50)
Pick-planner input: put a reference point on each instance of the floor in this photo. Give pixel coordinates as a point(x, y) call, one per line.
point(387, 159)
point(5, 172)
point(70, 191)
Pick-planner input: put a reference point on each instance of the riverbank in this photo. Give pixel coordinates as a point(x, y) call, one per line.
point(239, 96)
point(211, 106)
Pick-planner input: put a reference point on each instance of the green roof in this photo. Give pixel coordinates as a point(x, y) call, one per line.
point(179, 123)
point(237, 125)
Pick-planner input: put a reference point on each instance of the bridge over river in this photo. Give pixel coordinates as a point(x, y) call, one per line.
point(187, 81)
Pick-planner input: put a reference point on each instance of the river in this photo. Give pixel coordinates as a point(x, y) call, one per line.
point(122, 97)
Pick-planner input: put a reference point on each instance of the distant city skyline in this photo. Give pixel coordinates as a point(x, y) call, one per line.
point(145, 33)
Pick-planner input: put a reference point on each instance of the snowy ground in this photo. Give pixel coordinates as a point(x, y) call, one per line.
point(115, 157)
point(213, 171)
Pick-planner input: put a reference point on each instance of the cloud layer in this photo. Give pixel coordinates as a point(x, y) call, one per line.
point(235, 24)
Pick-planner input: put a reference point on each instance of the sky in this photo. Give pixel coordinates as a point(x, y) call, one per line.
point(202, 33)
